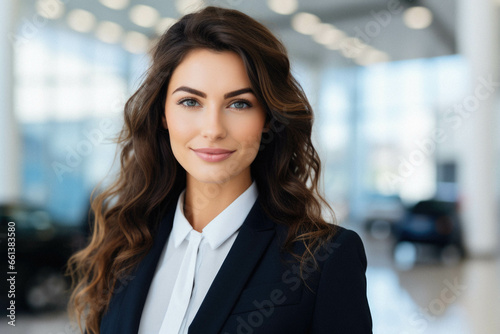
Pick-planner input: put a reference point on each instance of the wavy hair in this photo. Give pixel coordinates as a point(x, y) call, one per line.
point(286, 169)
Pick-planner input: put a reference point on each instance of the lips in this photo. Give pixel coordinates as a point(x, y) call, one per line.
point(213, 154)
point(213, 150)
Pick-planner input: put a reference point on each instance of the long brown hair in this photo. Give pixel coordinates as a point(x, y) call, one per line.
point(286, 169)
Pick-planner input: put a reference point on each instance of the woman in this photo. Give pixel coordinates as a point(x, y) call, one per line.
point(215, 221)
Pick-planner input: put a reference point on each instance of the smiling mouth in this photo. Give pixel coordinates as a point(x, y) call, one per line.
point(213, 154)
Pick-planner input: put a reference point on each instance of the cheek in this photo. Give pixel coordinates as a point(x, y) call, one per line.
point(249, 136)
point(179, 137)
point(251, 130)
point(179, 128)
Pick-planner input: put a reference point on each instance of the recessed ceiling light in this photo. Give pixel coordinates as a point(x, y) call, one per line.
point(164, 24)
point(50, 9)
point(284, 7)
point(109, 32)
point(305, 23)
point(327, 34)
point(417, 17)
point(136, 42)
point(334, 43)
point(351, 47)
point(371, 56)
point(188, 6)
point(144, 16)
point(81, 20)
point(115, 4)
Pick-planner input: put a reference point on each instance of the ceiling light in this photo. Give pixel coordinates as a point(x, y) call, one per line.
point(115, 4)
point(81, 20)
point(144, 16)
point(306, 23)
point(371, 56)
point(352, 47)
point(417, 17)
point(136, 42)
point(50, 9)
point(188, 6)
point(164, 24)
point(327, 34)
point(284, 7)
point(109, 32)
point(334, 44)
point(358, 43)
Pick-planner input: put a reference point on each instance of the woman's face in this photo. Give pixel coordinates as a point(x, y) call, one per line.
point(214, 119)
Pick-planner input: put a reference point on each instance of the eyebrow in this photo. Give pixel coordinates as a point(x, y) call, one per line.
point(226, 96)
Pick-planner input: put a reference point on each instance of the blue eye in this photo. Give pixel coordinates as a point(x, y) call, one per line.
point(240, 105)
point(189, 103)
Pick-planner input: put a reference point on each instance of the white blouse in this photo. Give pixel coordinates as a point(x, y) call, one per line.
point(216, 241)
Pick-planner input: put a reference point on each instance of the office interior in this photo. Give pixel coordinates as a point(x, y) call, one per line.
point(406, 101)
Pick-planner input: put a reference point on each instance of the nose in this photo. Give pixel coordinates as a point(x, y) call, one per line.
point(213, 126)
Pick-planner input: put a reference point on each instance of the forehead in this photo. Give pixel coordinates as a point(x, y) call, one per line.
point(208, 69)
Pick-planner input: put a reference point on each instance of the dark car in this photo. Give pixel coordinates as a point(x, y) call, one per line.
point(380, 213)
point(42, 248)
point(430, 229)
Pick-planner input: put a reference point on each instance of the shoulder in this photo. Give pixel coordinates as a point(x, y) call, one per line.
point(343, 246)
point(347, 244)
point(344, 252)
point(342, 285)
point(340, 259)
point(342, 243)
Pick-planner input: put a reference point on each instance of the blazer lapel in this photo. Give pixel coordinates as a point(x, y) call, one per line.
point(252, 240)
point(126, 316)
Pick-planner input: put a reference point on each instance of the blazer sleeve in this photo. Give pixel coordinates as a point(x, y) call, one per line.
point(341, 302)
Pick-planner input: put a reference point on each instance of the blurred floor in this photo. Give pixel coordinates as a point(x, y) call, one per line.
point(48, 323)
point(461, 299)
point(432, 299)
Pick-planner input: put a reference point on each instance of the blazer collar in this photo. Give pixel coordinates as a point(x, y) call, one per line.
point(255, 234)
point(253, 238)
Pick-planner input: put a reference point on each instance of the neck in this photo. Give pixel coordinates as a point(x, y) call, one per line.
point(205, 201)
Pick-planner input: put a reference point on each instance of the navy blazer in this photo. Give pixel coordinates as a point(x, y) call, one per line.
point(256, 291)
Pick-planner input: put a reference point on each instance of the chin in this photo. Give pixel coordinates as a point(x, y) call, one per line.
point(217, 177)
point(213, 180)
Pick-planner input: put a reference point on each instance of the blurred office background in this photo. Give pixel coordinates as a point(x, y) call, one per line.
point(406, 100)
